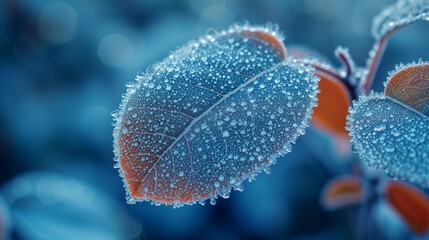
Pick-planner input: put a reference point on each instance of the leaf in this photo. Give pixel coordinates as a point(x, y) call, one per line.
point(333, 103)
point(342, 191)
point(398, 15)
point(392, 136)
point(333, 99)
point(411, 204)
point(409, 84)
point(215, 112)
point(389, 21)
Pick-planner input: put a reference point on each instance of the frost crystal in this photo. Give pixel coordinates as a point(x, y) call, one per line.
point(214, 113)
point(392, 136)
point(398, 15)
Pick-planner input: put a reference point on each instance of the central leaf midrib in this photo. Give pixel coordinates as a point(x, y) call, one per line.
point(207, 111)
point(409, 108)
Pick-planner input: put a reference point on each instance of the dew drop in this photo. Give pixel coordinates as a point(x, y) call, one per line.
point(124, 130)
point(380, 128)
point(368, 114)
point(390, 148)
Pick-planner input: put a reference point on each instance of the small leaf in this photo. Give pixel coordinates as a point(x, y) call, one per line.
point(333, 103)
point(342, 191)
point(214, 113)
point(398, 15)
point(392, 136)
point(409, 84)
point(334, 98)
point(411, 204)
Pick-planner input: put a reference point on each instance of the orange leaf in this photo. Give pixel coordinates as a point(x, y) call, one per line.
point(333, 103)
point(410, 85)
point(342, 191)
point(411, 204)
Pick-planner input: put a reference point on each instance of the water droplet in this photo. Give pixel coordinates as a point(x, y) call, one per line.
point(390, 148)
point(124, 130)
point(380, 128)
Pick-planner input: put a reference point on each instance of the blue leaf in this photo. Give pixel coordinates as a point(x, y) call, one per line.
point(398, 15)
point(215, 112)
point(391, 136)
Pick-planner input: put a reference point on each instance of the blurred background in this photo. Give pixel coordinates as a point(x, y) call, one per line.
point(63, 67)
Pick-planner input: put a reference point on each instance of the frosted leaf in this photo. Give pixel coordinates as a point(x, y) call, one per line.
point(409, 84)
point(335, 93)
point(201, 122)
point(398, 15)
point(395, 137)
point(333, 102)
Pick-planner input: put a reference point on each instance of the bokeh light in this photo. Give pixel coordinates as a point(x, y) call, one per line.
point(42, 203)
point(116, 49)
point(58, 22)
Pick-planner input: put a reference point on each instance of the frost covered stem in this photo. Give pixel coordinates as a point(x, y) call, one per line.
point(375, 56)
point(346, 61)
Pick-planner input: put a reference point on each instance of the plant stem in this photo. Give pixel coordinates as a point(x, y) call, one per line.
point(374, 61)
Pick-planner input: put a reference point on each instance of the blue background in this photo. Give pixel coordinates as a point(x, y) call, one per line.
point(63, 68)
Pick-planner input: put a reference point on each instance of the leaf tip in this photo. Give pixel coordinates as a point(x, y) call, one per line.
point(411, 204)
